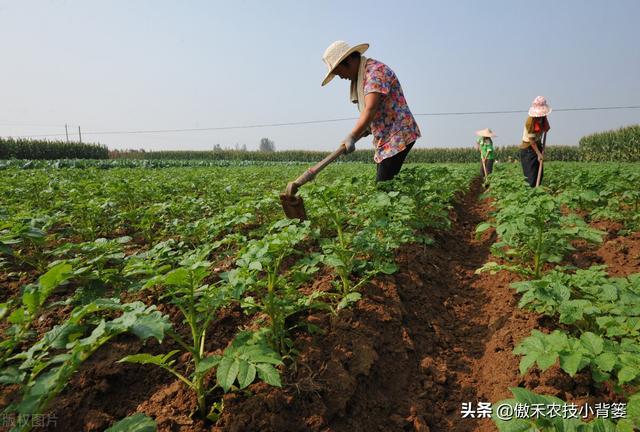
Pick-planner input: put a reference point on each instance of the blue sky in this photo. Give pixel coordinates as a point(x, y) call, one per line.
point(139, 65)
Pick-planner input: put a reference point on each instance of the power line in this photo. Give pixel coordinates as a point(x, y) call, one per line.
point(524, 111)
point(10, 124)
point(202, 129)
point(265, 125)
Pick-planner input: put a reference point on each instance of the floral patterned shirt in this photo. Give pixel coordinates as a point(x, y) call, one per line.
point(393, 126)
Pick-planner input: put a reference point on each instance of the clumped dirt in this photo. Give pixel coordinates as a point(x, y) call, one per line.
point(404, 358)
point(621, 255)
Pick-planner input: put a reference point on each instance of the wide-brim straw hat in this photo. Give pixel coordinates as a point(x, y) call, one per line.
point(487, 133)
point(335, 53)
point(539, 107)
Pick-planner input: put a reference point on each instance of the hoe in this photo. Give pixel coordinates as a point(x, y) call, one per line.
point(291, 203)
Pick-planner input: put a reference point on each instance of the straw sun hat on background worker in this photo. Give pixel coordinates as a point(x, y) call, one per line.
point(484, 144)
point(383, 108)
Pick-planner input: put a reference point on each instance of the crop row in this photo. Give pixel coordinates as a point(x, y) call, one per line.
point(198, 241)
point(597, 316)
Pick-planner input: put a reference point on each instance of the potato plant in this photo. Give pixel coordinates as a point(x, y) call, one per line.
point(533, 231)
point(46, 367)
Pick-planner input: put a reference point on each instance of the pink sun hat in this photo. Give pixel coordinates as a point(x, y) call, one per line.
point(539, 107)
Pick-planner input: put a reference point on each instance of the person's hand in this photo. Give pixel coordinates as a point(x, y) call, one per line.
point(540, 157)
point(349, 143)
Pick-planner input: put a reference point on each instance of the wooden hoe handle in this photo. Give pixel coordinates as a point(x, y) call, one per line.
point(310, 174)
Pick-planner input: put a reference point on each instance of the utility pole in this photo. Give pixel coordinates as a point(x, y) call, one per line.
point(80, 134)
point(66, 131)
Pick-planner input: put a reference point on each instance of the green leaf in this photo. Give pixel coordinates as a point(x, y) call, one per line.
point(483, 227)
point(269, 374)
point(11, 375)
point(606, 361)
point(162, 360)
point(261, 358)
point(96, 334)
point(55, 276)
point(527, 396)
point(177, 277)
point(592, 342)
point(5, 249)
point(31, 298)
point(625, 425)
point(570, 362)
point(633, 408)
point(602, 425)
point(332, 260)
point(513, 425)
point(255, 265)
point(526, 362)
point(136, 423)
point(18, 316)
point(44, 385)
point(388, 268)
point(546, 360)
point(227, 372)
point(150, 325)
point(246, 374)
point(349, 299)
point(573, 310)
point(208, 363)
point(599, 376)
point(627, 374)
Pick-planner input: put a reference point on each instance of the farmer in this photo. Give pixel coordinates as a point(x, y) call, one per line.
point(484, 144)
point(532, 146)
point(383, 109)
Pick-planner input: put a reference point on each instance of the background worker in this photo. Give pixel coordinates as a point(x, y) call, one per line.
point(383, 108)
point(484, 144)
point(532, 146)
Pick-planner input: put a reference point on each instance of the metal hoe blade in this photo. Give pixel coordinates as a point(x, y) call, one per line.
point(293, 206)
point(291, 203)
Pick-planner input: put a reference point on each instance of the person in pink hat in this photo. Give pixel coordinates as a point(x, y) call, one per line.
point(533, 137)
point(384, 112)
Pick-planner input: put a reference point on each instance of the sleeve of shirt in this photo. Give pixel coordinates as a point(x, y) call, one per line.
point(377, 79)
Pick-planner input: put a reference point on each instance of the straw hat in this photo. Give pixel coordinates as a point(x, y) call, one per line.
point(539, 107)
point(487, 133)
point(335, 53)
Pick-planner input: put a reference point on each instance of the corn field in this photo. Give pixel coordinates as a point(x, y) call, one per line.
point(431, 155)
point(622, 145)
point(18, 148)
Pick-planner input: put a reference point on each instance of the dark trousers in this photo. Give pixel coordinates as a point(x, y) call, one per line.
point(530, 165)
point(389, 167)
point(489, 164)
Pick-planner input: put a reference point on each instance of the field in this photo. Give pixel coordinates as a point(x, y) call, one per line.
point(175, 294)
